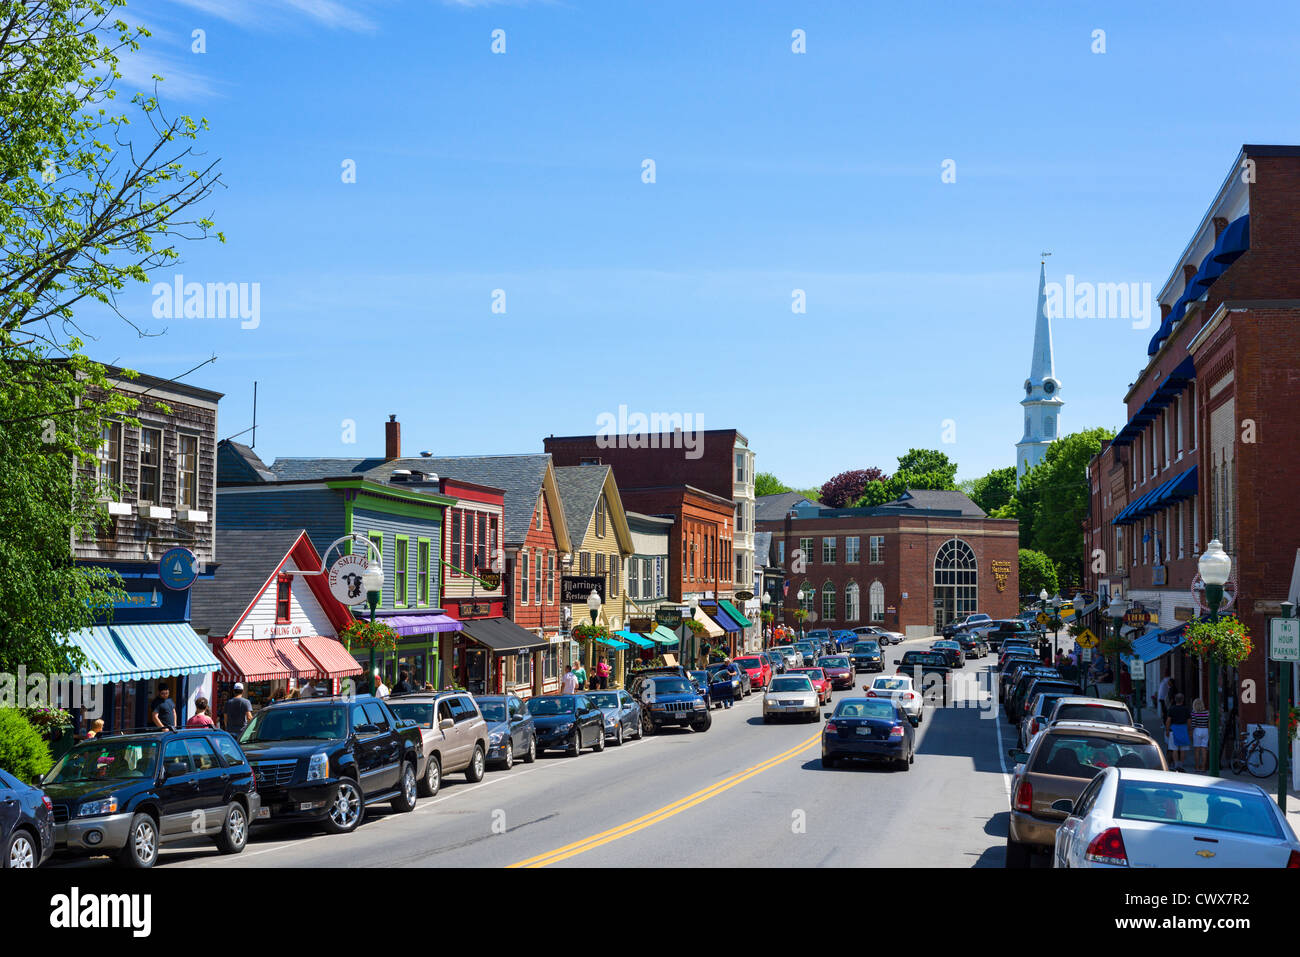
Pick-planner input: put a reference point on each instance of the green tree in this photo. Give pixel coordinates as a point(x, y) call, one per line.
point(1036, 573)
point(926, 461)
point(765, 483)
point(994, 490)
point(811, 494)
point(1064, 497)
point(91, 199)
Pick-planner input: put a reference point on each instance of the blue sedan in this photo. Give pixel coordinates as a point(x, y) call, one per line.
point(511, 731)
point(622, 714)
point(868, 728)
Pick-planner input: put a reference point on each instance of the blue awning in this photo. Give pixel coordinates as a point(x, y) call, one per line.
point(1233, 241)
point(1209, 271)
point(1149, 647)
point(1169, 388)
point(1181, 486)
point(632, 638)
point(140, 652)
point(663, 636)
point(721, 617)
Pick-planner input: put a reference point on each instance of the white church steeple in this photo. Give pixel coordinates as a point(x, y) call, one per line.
point(1042, 399)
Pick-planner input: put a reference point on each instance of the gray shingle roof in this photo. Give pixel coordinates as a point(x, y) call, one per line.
point(519, 476)
point(237, 462)
point(772, 508)
point(580, 486)
point(920, 498)
point(293, 469)
point(762, 548)
point(247, 559)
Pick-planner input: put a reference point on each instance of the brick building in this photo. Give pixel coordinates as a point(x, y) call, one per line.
point(910, 566)
point(1210, 444)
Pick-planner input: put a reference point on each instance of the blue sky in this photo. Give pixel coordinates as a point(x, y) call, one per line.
point(775, 171)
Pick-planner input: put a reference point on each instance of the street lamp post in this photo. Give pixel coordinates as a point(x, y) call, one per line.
point(801, 621)
point(1056, 625)
point(372, 580)
point(1118, 608)
point(593, 607)
point(1042, 606)
point(1214, 566)
point(767, 600)
point(1079, 603)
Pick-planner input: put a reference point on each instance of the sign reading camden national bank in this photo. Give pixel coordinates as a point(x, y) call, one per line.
point(575, 589)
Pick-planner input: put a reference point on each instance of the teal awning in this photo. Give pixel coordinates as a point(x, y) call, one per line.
point(635, 639)
point(664, 637)
point(610, 643)
point(735, 613)
point(139, 652)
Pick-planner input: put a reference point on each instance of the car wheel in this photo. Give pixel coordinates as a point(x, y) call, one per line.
point(618, 734)
point(20, 851)
point(531, 754)
point(705, 724)
point(234, 832)
point(474, 773)
point(640, 732)
point(141, 848)
point(575, 745)
point(600, 739)
point(348, 809)
point(508, 761)
point(1018, 854)
point(432, 780)
point(406, 790)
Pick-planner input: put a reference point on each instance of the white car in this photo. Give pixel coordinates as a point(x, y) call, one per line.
point(792, 655)
point(899, 689)
point(1132, 817)
point(790, 695)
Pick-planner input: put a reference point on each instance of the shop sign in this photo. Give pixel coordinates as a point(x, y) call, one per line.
point(640, 626)
point(671, 618)
point(344, 578)
point(575, 589)
point(1138, 615)
point(1001, 571)
point(279, 631)
point(1183, 613)
point(178, 568)
point(470, 609)
point(744, 595)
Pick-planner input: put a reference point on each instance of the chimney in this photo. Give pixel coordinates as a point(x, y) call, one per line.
point(1188, 272)
point(392, 439)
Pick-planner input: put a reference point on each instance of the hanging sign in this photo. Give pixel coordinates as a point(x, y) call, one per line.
point(344, 578)
point(178, 568)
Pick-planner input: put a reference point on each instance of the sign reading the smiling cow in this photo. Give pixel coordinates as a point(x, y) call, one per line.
point(344, 579)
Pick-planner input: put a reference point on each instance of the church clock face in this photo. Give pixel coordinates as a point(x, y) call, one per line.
point(1049, 386)
point(1029, 387)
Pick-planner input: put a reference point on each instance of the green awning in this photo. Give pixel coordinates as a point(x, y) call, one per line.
point(610, 643)
point(734, 612)
point(635, 639)
point(664, 637)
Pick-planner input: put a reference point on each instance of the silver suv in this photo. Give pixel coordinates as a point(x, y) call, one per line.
point(454, 732)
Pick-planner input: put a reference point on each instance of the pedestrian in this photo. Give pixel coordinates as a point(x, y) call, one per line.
point(428, 686)
point(237, 711)
point(381, 689)
point(1125, 683)
point(602, 674)
point(200, 718)
point(727, 695)
point(1199, 722)
point(580, 673)
point(162, 710)
point(1164, 695)
point(569, 683)
point(403, 685)
point(1176, 726)
point(96, 729)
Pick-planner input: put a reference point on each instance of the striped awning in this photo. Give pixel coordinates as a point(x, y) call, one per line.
point(266, 659)
point(711, 628)
point(334, 660)
point(139, 652)
point(735, 613)
point(663, 636)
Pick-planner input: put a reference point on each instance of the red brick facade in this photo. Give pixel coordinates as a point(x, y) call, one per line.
point(699, 540)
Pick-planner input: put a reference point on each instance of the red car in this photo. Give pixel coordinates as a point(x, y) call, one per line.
point(820, 682)
point(838, 669)
point(759, 668)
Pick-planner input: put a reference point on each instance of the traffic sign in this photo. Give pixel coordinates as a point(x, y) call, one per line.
point(1284, 639)
point(1042, 618)
point(1087, 639)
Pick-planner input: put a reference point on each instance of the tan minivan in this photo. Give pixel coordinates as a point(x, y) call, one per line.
point(454, 731)
point(1061, 762)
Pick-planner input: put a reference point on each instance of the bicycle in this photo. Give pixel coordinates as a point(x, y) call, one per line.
point(1254, 757)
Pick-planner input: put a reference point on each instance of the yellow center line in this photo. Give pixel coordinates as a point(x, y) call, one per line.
point(663, 813)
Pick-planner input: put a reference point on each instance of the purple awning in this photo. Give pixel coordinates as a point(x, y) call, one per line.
point(407, 625)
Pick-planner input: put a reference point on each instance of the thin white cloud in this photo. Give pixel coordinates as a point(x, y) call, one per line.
point(266, 14)
point(138, 69)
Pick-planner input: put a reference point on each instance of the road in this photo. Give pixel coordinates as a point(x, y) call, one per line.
point(743, 794)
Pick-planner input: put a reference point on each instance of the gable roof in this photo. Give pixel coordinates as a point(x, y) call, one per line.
point(773, 508)
point(580, 489)
point(237, 462)
point(763, 548)
point(250, 559)
point(926, 499)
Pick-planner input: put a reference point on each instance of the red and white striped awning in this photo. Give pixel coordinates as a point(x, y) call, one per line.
point(334, 660)
point(266, 659)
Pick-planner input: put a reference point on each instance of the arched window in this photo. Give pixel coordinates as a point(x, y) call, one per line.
point(956, 591)
point(828, 602)
point(876, 596)
point(809, 596)
point(852, 607)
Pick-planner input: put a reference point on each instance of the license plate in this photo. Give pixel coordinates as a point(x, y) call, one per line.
point(865, 732)
point(262, 812)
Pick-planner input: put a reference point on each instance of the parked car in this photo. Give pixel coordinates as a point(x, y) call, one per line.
point(1082, 708)
point(707, 686)
point(1011, 677)
point(758, 668)
point(1059, 765)
point(956, 624)
point(671, 699)
point(872, 728)
point(838, 669)
point(511, 731)
point(792, 655)
point(867, 656)
point(741, 685)
point(1001, 632)
point(899, 689)
point(776, 660)
point(879, 634)
point(928, 669)
point(128, 794)
point(819, 681)
point(952, 651)
point(622, 714)
point(568, 723)
point(842, 640)
point(973, 645)
point(791, 696)
point(1031, 685)
point(454, 735)
point(818, 637)
point(26, 824)
point(809, 651)
point(1036, 719)
point(326, 760)
point(1131, 817)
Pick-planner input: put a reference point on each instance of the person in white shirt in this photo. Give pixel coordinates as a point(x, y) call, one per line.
point(381, 689)
point(569, 683)
point(1163, 695)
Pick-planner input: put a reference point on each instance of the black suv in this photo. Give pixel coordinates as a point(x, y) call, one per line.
point(929, 671)
point(669, 696)
point(125, 794)
point(326, 759)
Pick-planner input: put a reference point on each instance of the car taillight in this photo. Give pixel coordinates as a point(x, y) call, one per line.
point(1024, 797)
point(1026, 707)
point(830, 727)
point(1293, 861)
point(871, 694)
point(910, 695)
point(896, 731)
point(1107, 848)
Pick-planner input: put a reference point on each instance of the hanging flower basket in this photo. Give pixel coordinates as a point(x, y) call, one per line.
point(1294, 723)
point(586, 632)
point(1226, 641)
point(697, 628)
point(1112, 646)
point(364, 634)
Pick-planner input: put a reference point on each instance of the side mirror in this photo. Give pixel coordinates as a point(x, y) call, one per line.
point(898, 661)
point(175, 769)
point(1065, 805)
point(1020, 757)
point(826, 714)
point(446, 723)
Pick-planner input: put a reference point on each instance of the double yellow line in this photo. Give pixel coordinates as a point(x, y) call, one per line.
point(654, 817)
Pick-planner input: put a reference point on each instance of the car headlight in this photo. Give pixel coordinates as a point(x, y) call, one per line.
point(561, 728)
point(93, 808)
point(495, 738)
point(318, 766)
point(699, 704)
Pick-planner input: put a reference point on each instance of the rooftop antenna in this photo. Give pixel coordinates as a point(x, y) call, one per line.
point(253, 428)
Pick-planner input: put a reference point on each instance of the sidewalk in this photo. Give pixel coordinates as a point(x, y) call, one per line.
point(1154, 728)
